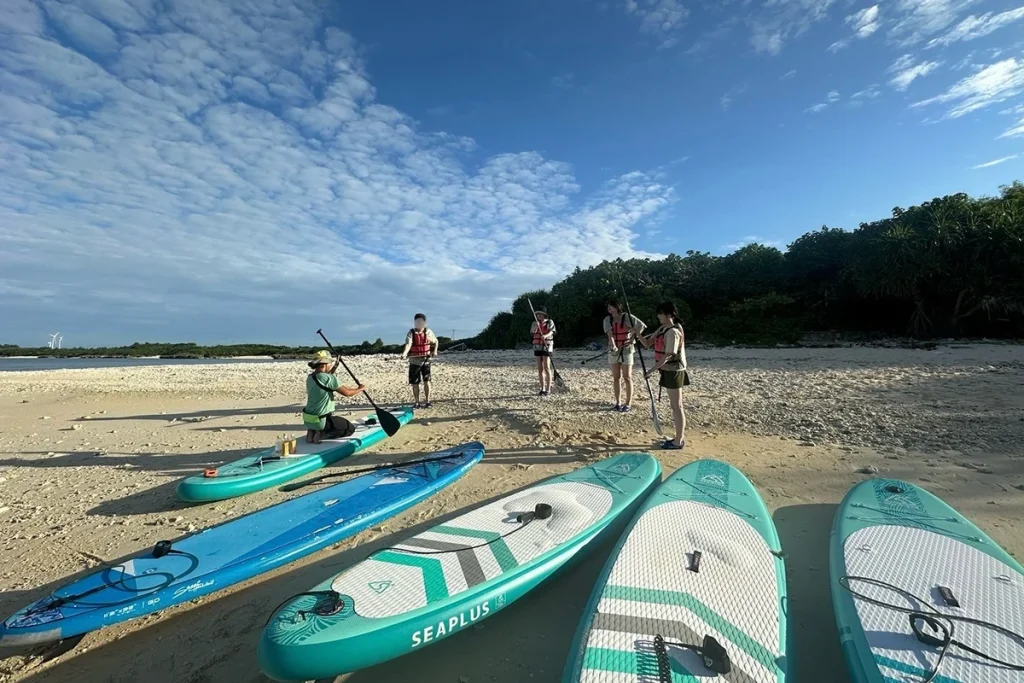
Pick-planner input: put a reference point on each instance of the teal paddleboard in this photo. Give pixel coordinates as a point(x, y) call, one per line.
point(896, 549)
point(443, 580)
point(700, 559)
point(264, 469)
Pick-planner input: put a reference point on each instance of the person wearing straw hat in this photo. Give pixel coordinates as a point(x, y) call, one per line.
point(318, 415)
point(543, 333)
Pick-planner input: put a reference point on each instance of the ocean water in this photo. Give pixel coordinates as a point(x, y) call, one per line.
point(24, 364)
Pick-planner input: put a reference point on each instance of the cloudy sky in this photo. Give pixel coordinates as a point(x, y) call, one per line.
point(251, 170)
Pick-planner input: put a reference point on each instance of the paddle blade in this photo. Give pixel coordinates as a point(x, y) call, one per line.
point(388, 422)
point(560, 383)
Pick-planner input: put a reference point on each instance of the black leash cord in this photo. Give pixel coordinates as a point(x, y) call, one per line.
point(936, 620)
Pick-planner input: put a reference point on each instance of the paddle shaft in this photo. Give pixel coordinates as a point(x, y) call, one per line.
point(364, 470)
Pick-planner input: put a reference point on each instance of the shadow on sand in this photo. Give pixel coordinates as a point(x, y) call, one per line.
point(814, 650)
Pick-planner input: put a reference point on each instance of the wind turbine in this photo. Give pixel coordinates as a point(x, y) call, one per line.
point(59, 340)
point(53, 341)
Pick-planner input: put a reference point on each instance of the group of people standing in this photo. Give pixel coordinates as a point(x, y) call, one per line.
point(623, 331)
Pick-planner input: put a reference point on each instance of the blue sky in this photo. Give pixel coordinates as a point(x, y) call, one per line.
point(197, 170)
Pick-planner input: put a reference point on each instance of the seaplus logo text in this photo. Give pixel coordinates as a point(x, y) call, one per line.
point(454, 623)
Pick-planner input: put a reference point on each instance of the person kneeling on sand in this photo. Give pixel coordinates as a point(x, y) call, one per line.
point(670, 361)
point(420, 347)
point(619, 326)
point(318, 415)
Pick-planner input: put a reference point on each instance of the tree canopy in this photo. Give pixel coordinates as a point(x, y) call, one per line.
point(953, 266)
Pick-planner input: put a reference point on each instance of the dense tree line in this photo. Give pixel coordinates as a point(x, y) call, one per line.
point(953, 266)
point(191, 350)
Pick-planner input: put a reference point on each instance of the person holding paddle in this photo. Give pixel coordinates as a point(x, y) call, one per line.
point(318, 415)
point(420, 347)
point(670, 360)
point(543, 332)
point(619, 326)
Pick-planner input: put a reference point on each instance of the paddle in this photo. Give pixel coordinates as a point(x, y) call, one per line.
point(643, 366)
point(309, 482)
point(559, 382)
point(387, 421)
point(591, 360)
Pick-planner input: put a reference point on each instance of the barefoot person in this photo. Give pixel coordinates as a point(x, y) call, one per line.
point(420, 347)
point(670, 361)
point(619, 326)
point(543, 332)
point(318, 415)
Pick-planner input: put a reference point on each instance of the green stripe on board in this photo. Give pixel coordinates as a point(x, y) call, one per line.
point(642, 665)
point(433, 576)
point(911, 669)
point(753, 648)
point(506, 560)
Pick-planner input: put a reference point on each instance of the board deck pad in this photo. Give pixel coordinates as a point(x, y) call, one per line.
point(893, 532)
point(649, 587)
point(236, 550)
point(263, 469)
point(443, 579)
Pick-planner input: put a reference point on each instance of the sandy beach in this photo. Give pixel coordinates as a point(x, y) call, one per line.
point(89, 460)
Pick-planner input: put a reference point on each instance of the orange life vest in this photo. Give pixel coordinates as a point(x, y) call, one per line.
point(542, 329)
point(420, 344)
point(620, 332)
point(659, 342)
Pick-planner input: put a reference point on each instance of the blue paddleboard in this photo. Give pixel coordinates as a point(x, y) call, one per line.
point(234, 551)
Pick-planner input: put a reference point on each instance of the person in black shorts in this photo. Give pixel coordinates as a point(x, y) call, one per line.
point(543, 332)
point(420, 346)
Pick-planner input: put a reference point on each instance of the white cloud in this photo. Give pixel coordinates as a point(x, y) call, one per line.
point(993, 84)
point(865, 22)
point(918, 19)
point(780, 20)
point(727, 99)
point(869, 93)
point(1015, 130)
point(659, 18)
point(833, 96)
point(994, 162)
point(975, 27)
point(232, 165)
point(814, 109)
point(907, 70)
point(789, 74)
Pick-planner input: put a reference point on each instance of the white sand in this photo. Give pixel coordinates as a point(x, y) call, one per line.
point(89, 460)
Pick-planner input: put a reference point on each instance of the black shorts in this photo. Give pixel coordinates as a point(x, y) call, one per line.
point(418, 372)
point(338, 427)
point(542, 354)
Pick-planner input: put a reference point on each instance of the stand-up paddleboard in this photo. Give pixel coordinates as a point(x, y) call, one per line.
point(695, 589)
point(904, 561)
point(265, 469)
point(441, 581)
point(234, 551)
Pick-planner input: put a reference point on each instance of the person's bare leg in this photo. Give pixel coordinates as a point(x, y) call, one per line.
point(616, 374)
point(675, 396)
point(540, 371)
point(546, 377)
point(627, 383)
point(426, 391)
point(416, 393)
